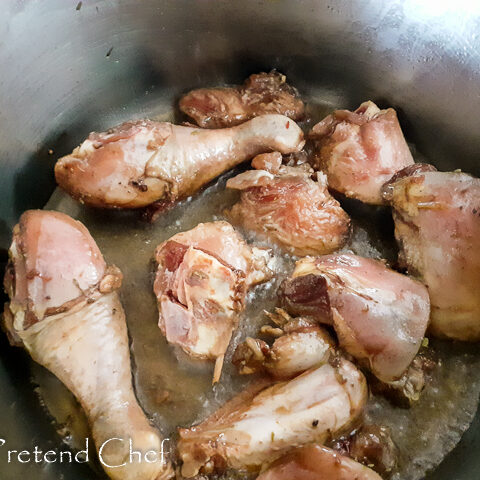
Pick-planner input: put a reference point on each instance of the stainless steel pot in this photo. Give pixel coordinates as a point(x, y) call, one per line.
point(68, 68)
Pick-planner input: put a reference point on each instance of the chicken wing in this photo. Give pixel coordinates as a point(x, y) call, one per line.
point(315, 462)
point(359, 151)
point(380, 316)
point(261, 94)
point(65, 311)
point(437, 225)
point(141, 162)
point(201, 282)
point(262, 424)
point(289, 207)
point(301, 345)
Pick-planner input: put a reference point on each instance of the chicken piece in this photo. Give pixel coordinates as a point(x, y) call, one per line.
point(201, 282)
point(302, 345)
point(262, 424)
point(371, 445)
point(437, 226)
point(315, 462)
point(261, 94)
point(380, 316)
point(359, 151)
point(65, 311)
point(287, 206)
point(138, 163)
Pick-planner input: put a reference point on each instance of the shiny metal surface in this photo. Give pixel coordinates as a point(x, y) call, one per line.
point(68, 68)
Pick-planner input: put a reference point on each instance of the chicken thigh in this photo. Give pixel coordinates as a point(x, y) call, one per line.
point(262, 424)
point(288, 206)
point(359, 151)
point(261, 94)
point(64, 310)
point(315, 462)
point(201, 282)
point(437, 225)
point(380, 316)
point(138, 163)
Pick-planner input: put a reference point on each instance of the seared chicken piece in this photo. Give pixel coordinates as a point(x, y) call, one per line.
point(289, 207)
point(370, 445)
point(315, 462)
point(225, 107)
point(64, 310)
point(380, 316)
point(359, 151)
point(301, 345)
point(262, 424)
point(201, 282)
point(437, 225)
point(141, 162)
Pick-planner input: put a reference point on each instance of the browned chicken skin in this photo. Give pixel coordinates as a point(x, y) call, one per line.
point(380, 316)
point(288, 206)
point(315, 462)
point(359, 151)
point(371, 445)
point(437, 225)
point(201, 282)
point(64, 310)
point(414, 170)
point(225, 107)
point(138, 163)
point(264, 422)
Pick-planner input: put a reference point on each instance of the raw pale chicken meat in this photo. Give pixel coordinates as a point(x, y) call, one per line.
point(315, 462)
point(225, 107)
point(301, 345)
point(290, 206)
point(64, 310)
point(380, 316)
point(138, 163)
point(437, 225)
point(201, 282)
point(359, 151)
point(261, 424)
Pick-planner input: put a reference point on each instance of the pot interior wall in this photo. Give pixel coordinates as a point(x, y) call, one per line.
point(69, 68)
